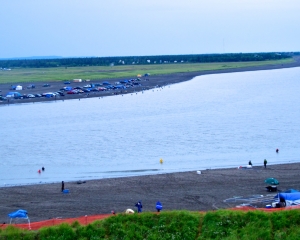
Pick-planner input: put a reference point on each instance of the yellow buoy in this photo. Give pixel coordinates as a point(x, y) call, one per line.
point(161, 161)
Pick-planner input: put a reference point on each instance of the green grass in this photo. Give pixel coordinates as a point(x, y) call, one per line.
point(31, 75)
point(222, 224)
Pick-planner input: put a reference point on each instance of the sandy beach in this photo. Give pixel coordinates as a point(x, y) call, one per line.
point(147, 83)
point(176, 191)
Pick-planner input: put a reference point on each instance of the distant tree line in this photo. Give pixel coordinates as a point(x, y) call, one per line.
point(129, 60)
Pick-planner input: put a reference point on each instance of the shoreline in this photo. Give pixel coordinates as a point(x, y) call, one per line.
point(6, 185)
point(147, 83)
point(177, 191)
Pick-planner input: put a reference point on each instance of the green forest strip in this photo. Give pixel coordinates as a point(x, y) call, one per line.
point(52, 74)
point(221, 224)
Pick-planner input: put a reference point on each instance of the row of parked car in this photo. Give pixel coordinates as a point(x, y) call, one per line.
point(91, 87)
point(17, 95)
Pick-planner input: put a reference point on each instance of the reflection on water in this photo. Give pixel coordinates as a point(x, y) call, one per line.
point(212, 121)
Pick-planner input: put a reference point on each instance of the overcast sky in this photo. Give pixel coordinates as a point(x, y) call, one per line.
point(147, 27)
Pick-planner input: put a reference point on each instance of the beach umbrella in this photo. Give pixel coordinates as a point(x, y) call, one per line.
point(272, 181)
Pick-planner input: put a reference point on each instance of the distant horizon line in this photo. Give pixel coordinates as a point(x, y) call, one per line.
point(57, 57)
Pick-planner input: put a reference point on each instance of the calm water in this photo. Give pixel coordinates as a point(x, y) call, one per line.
point(212, 121)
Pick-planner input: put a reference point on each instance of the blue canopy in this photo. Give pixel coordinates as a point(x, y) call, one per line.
point(18, 214)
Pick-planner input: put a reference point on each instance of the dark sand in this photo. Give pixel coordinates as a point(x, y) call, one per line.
point(176, 191)
point(147, 83)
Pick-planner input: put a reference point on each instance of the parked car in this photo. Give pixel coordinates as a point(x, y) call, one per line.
point(72, 92)
point(30, 96)
point(30, 86)
point(109, 87)
point(102, 89)
point(18, 97)
point(3, 98)
point(67, 82)
point(46, 85)
point(48, 94)
point(94, 90)
point(38, 95)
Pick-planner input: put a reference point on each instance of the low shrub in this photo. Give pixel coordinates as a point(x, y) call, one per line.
point(221, 224)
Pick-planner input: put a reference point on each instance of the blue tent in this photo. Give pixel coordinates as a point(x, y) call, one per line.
point(291, 191)
point(290, 199)
point(289, 196)
point(19, 214)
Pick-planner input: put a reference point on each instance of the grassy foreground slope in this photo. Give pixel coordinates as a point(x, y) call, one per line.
point(21, 75)
point(222, 224)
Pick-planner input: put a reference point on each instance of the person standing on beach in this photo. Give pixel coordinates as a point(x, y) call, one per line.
point(158, 206)
point(265, 163)
point(139, 206)
point(250, 163)
point(62, 186)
